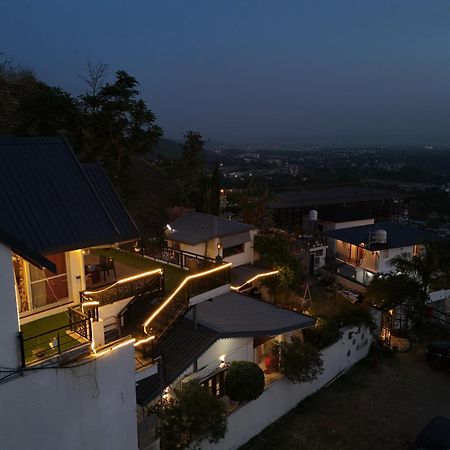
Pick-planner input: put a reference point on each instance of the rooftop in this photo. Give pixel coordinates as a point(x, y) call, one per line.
point(237, 315)
point(50, 202)
point(397, 235)
point(194, 228)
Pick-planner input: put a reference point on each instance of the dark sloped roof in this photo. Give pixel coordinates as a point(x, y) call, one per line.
point(179, 349)
point(111, 201)
point(237, 315)
point(25, 252)
point(230, 315)
point(48, 202)
point(194, 228)
point(397, 235)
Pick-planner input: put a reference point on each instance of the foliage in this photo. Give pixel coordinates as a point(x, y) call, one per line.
point(214, 191)
point(253, 204)
point(48, 111)
point(299, 362)
point(323, 334)
point(432, 265)
point(388, 291)
point(192, 416)
point(119, 124)
point(244, 381)
point(191, 172)
point(274, 250)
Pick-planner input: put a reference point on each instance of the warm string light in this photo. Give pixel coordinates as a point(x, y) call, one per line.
point(182, 284)
point(125, 280)
point(256, 277)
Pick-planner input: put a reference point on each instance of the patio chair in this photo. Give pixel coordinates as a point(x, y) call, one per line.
point(107, 264)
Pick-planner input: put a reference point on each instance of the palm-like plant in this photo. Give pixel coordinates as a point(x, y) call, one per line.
point(433, 264)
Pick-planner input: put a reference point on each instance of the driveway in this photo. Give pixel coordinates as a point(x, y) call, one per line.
point(381, 405)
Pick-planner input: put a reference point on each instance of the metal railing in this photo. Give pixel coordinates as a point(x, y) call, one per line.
point(54, 342)
point(140, 306)
point(122, 289)
point(181, 258)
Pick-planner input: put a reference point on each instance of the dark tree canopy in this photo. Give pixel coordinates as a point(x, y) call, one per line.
point(299, 362)
point(192, 416)
point(244, 381)
point(388, 291)
point(119, 124)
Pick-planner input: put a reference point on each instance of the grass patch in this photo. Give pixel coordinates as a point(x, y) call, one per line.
point(172, 275)
point(38, 335)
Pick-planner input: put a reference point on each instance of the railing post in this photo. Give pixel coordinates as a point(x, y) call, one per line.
point(59, 343)
point(22, 349)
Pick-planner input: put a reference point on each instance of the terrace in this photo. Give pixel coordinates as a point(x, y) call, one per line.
point(142, 296)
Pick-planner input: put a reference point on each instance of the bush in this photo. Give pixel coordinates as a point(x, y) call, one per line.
point(323, 334)
point(299, 362)
point(193, 415)
point(244, 381)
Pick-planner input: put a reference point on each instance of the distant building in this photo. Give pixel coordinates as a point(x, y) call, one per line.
point(363, 251)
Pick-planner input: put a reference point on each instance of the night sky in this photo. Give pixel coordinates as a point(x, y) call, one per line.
point(320, 71)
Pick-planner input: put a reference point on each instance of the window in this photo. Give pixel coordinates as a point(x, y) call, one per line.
point(215, 383)
point(230, 251)
point(37, 288)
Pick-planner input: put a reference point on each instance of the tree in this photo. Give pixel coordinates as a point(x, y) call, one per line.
point(275, 251)
point(119, 124)
point(253, 204)
point(48, 111)
point(432, 265)
point(192, 416)
point(192, 172)
point(244, 381)
point(214, 191)
point(299, 362)
point(390, 290)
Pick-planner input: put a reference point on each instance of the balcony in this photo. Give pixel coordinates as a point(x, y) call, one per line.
point(55, 336)
point(155, 294)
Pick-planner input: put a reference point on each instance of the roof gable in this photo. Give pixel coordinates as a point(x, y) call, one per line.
point(48, 202)
point(397, 235)
point(194, 228)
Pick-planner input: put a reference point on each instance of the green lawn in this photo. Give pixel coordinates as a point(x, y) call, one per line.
point(42, 332)
point(173, 276)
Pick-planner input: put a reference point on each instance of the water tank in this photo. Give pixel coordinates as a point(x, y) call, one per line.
point(312, 215)
point(381, 236)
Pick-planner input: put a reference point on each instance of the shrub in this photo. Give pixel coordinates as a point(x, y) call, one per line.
point(244, 381)
point(193, 415)
point(299, 362)
point(323, 334)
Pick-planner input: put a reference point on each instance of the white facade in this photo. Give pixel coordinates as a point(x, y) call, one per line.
point(90, 403)
point(88, 407)
point(213, 248)
point(281, 396)
point(368, 262)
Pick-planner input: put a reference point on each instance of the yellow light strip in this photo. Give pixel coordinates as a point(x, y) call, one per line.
point(182, 284)
point(114, 347)
point(256, 277)
point(125, 280)
point(144, 341)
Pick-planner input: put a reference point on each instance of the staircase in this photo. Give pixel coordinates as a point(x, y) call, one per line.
point(130, 318)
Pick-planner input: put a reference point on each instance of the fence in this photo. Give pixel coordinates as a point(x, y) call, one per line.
point(282, 395)
point(54, 342)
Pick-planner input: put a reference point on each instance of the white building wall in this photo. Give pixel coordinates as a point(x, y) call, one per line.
point(234, 349)
point(281, 396)
point(75, 274)
point(92, 406)
point(386, 256)
point(9, 323)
